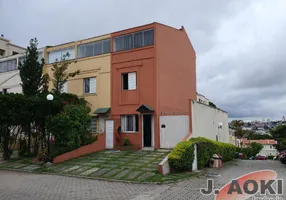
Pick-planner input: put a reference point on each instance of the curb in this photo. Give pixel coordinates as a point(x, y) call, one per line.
point(103, 179)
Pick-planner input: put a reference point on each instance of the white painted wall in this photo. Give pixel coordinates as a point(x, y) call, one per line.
point(268, 150)
point(10, 81)
point(205, 122)
point(176, 128)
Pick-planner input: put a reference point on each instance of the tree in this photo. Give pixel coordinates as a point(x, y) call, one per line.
point(60, 76)
point(256, 148)
point(237, 126)
point(31, 70)
point(279, 134)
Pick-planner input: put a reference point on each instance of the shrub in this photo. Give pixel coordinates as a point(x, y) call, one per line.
point(182, 156)
point(206, 148)
point(270, 157)
point(126, 142)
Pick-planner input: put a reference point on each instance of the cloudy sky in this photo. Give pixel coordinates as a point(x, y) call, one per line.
point(240, 45)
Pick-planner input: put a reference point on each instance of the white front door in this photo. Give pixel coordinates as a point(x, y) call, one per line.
point(109, 124)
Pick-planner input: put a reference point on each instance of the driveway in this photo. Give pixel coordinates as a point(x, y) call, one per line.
point(27, 186)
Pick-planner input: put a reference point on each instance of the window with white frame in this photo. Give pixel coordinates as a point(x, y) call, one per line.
point(90, 85)
point(66, 54)
point(129, 123)
point(9, 65)
point(94, 121)
point(129, 81)
point(64, 89)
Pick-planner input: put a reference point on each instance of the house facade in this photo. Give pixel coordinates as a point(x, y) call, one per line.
point(92, 57)
point(268, 146)
point(153, 79)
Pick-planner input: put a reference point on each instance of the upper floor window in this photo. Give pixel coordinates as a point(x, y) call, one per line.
point(2, 52)
point(134, 40)
point(90, 85)
point(66, 54)
point(8, 65)
point(129, 81)
point(94, 48)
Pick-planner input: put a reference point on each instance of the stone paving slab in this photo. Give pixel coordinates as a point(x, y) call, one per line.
point(89, 164)
point(122, 174)
point(98, 161)
point(31, 167)
point(146, 175)
point(134, 174)
point(101, 172)
point(80, 170)
point(90, 171)
point(18, 166)
point(61, 168)
point(151, 169)
point(71, 169)
point(112, 173)
point(109, 165)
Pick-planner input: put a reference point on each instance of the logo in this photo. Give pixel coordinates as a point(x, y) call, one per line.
point(262, 182)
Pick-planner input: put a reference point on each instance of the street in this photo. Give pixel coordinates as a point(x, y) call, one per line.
point(27, 186)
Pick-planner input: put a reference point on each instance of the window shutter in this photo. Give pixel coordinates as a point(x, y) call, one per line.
point(132, 81)
point(92, 85)
point(123, 123)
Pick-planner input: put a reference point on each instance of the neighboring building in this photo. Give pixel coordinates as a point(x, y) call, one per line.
point(9, 74)
point(9, 49)
point(92, 58)
point(232, 138)
point(268, 146)
point(202, 99)
point(210, 122)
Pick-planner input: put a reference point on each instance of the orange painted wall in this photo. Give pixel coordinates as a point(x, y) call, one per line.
point(98, 145)
point(176, 61)
point(142, 61)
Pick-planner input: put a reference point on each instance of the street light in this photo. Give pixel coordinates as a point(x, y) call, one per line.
point(50, 97)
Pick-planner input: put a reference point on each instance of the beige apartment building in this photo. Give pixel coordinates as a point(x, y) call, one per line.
point(92, 57)
point(9, 49)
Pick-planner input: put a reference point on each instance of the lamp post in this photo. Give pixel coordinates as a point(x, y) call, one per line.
point(50, 98)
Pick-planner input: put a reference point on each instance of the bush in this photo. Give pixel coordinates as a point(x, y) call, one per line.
point(270, 157)
point(126, 142)
point(182, 156)
point(206, 148)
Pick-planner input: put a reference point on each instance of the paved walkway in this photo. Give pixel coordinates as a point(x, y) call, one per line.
point(27, 186)
point(139, 166)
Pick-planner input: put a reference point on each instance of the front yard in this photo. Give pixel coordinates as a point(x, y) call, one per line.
point(136, 166)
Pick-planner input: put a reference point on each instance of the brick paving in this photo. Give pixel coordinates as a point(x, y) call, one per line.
point(27, 186)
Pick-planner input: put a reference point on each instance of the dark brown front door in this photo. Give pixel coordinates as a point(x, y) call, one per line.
point(147, 130)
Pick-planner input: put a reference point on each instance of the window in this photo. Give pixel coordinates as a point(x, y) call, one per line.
point(129, 123)
point(129, 81)
point(64, 88)
point(14, 53)
point(94, 48)
point(5, 91)
point(134, 40)
point(8, 65)
point(90, 85)
point(94, 121)
point(2, 52)
point(66, 54)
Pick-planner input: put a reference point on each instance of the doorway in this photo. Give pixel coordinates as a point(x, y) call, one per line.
point(147, 130)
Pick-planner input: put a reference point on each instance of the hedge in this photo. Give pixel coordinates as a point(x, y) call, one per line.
point(206, 148)
point(182, 156)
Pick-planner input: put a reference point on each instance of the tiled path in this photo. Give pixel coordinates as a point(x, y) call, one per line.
point(120, 165)
point(27, 186)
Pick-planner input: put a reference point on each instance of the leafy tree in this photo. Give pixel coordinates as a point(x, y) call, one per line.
point(70, 128)
point(256, 148)
point(255, 136)
point(279, 134)
point(237, 126)
point(31, 70)
point(60, 76)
